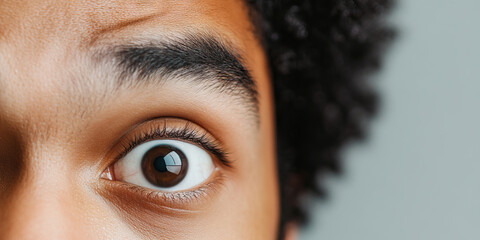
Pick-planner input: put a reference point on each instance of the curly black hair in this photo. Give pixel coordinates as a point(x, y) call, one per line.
point(319, 52)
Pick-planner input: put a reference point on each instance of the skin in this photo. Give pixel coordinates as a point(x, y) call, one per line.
point(61, 125)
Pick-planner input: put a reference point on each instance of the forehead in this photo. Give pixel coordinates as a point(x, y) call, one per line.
point(43, 21)
point(46, 33)
point(41, 41)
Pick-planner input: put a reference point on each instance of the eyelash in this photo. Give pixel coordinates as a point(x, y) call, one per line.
point(185, 133)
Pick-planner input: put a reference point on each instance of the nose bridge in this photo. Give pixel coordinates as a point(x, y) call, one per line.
point(42, 204)
point(33, 213)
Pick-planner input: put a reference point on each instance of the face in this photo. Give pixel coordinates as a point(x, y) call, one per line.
point(134, 120)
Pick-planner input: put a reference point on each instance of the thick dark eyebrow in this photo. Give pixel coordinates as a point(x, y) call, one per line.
point(207, 61)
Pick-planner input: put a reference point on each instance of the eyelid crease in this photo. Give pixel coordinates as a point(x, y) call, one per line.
point(185, 133)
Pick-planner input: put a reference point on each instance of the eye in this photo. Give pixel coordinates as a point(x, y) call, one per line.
point(165, 165)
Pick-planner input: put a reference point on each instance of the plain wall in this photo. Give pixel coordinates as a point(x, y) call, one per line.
point(418, 175)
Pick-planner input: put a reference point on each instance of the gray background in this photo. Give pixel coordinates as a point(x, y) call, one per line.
point(418, 176)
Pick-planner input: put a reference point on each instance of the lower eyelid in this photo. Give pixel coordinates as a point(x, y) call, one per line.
point(174, 197)
point(157, 200)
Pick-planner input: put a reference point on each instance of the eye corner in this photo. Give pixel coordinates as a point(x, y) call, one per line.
point(108, 173)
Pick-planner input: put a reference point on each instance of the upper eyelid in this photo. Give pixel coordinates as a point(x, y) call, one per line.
point(185, 133)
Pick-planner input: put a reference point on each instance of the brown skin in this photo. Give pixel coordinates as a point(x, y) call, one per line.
point(57, 136)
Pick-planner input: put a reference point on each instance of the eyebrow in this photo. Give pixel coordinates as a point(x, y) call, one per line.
point(205, 60)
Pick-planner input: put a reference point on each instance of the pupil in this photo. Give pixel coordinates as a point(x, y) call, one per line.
point(159, 164)
point(164, 166)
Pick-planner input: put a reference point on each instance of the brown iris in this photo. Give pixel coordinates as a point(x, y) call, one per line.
point(164, 165)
